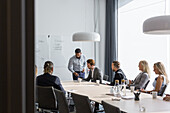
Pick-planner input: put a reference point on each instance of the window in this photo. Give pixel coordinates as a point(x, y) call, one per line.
point(134, 45)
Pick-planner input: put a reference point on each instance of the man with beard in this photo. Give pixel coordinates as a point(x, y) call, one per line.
point(77, 64)
point(119, 75)
point(94, 73)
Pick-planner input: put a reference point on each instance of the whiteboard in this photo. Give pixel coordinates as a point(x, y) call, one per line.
point(58, 49)
point(49, 47)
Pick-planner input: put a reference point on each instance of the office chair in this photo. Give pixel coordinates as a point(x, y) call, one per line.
point(162, 91)
point(146, 84)
point(105, 77)
point(109, 108)
point(62, 102)
point(82, 103)
point(46, 99)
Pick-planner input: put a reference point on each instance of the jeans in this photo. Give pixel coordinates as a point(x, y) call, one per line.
point(81, 75)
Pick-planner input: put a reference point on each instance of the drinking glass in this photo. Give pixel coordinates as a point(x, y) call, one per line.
point(79, 80)
point(132, 88)
point(154, 94)
point(97, 82)
point(142, 108)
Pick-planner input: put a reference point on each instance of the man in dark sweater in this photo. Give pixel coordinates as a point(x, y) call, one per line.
point(119, 75)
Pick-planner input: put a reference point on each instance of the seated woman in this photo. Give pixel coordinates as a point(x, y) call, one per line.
point(161, 80)
point(143, 77)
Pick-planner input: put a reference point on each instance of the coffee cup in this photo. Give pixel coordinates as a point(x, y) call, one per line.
point(154, 94)
point(79, 79)
point(97, 82)
point(132, 88)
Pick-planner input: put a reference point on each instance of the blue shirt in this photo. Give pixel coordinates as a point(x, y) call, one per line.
point(76, 64)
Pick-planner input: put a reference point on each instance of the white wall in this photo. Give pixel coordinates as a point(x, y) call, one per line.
point(101, 45)
point(62, 18)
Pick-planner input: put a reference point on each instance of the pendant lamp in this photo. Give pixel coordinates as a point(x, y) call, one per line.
point(92, 36)
point(157, 25)
point(86, 36)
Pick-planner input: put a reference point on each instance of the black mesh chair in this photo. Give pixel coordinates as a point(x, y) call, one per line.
point(62, 102)
point(82, 103)
point(162, 91)
point(109, 108)
point(46, 99)
point(146, 84)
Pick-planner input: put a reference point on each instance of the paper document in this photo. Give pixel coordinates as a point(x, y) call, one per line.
point(127, 97)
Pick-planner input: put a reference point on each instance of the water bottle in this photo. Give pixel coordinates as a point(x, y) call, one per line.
point(123, 88)
point(117, 88)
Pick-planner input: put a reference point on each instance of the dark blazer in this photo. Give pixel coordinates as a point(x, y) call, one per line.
point(97, 75)
point(119, 75)
point(49, 80)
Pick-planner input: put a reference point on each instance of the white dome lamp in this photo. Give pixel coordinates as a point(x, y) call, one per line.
point(86, 36)
point(92, 36)
point(157, 25)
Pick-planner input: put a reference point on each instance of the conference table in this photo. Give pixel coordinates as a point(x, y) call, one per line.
point(126, 103)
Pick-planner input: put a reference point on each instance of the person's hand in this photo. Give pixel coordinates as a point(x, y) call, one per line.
point(76, 74)
point(167, 98)
point(142, 90)
point(137, 90)
point(167, 94)
point(130, 82)
point(83, 71)
point(106, 84)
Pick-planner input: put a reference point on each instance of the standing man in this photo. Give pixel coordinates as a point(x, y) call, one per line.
point(77, 64)
point(94, 73)
point(119, 75)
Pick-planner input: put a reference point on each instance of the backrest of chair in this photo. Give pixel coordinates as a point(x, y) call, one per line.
point(36, 95)
point(146, 84)
point(105, 77)
point(62, 102)
point(163, 90)
point(46, 97)
point(109, 108)
point(82, 103)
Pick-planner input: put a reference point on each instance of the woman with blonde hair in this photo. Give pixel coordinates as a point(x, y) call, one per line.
point(162, 78)
point(143, 77)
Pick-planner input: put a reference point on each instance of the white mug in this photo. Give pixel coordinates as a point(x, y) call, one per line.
point(132, 88)
point(79, 79)
point(154, 94)
point(98, 82)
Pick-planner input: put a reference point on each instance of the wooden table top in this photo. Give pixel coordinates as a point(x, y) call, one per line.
point(100, 92)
